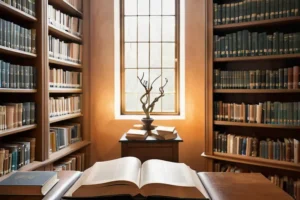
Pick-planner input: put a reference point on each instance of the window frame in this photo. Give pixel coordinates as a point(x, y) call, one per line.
point(176, 67)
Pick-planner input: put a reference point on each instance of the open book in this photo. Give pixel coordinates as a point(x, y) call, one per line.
point(129, 177)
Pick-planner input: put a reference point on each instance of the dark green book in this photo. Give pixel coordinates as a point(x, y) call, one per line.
point(1, 32)
point(253, 10)
point(215, 46)
point(226, 46)
point(249, 44)
point(234, 45)
point(239, 44)
point(286, 43)
point(267, 79)
point(236, 12)
point(291, 44)
point(230, 44)
point(276, 8)
point(272, 9)
point(280, 78)
point(265, 45)
point(1, 73)
point(292, 7)
point(258, 10)
point(228, 13)
point(219, 15)
point(8, 34)
point(232, 13)
point(241, 11)
point(276, 79)
point(288, 8)
point(215, 14)
point(30, 77)
point(297, 7)
point(281, 43)
point(223, 13)
point(275, 43)
point(26, 80)
point(263, 79)
point(7, 74)
point(260, 44)
point(295, 43)
point(255, 43)
point(218, 43)
point(248, 10)
point(280, 8)
point(245, 49)
point(285, 78)
point(262, 9)
point(268, 7)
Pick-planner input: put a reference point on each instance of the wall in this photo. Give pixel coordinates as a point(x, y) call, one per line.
point(105, 130)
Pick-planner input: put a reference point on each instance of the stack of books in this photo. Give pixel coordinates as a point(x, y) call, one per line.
point(164, 133)
point(135, 134)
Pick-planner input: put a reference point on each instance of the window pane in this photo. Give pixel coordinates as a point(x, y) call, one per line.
point(155, 7)
point(143, 7)
point(168, 29)
point(155, 55)
point(168, 7)
point(130, 7)
point(168, 103)
point(139, 104)
point(143, 23)
point(154, 73)
point(170, 75)
point(140, 88)
point(169, 55)
point(131, 80)
point(157, 107)
point(130, 55)
point(143, 55)
point(155, 28)
point(130, 102)
point(130, 29)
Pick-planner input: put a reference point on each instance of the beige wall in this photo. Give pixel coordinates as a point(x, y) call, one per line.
point(105, 130)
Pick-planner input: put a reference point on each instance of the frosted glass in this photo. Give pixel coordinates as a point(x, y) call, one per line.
point(143, 7)
point(130, 55)
point(168, 103)
point(155, 28)
point(155, 55)
point(157, 107)
point(155, 7)
point(131, 102)
point(143, 55)
point(130, 7)
point(168, 33)
point(143, 28)
point(154, 73)
point(170, 75)
point(140, 88)
point(131, 80)
point(168, 7)
point(169, 55)
point(130, 29)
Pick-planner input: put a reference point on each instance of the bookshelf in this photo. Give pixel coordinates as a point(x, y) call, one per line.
point(229, 95)
point(41, 93)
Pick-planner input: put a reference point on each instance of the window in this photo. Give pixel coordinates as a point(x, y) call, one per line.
point(149, 37)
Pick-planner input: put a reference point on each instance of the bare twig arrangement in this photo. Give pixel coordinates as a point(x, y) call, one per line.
point(145, 98)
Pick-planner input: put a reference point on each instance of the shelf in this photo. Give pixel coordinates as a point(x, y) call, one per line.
point(262, 23)
point(64, 117)
point(4, 7)
point(247, 91)
point(63, 34)
point(64, 63)
point(253, 58)
point(226, 123)
point(10, 90)
point(66, 7)
point(254, 161)
point(67, 150)
point(17, 130)
point(64, 90)
point(15, 52)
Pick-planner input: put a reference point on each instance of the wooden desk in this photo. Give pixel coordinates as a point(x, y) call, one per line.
point(151, 148)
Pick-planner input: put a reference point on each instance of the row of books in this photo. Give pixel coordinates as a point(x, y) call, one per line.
point(289, 184)
point(245, 43)
point(64, 21)
point(252, 10)
point(65, 79)
point(17, 76)
point(17, 37)
point(286, 150)
point(59, 106)
point(65, 51)
point(283, 113)
point(62, 136)
point(283, 78)
point(27, 6)
point(74, 162)
point(76, 3)
point(16, 154)
point(13, 115)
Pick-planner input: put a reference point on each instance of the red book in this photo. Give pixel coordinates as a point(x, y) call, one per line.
point(295, 77)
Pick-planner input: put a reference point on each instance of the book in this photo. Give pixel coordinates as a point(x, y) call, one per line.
point(28, 183)
point(172, 136)
point(134, 134)
point(27, 6)
point(152, 178)
point(164, 130)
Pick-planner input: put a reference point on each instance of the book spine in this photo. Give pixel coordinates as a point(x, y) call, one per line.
point(281, 43)
point(267, 13)
point(275, 43)
point(236, 12)
point(253, 10)
point(262, 9)
point(215, 14)
point(232, 13)
point(276, 8)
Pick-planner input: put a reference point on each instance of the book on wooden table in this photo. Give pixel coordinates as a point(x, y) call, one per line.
point(128, 176)
point(164, 130)
point(28, 183)
point(171, 136)
point(134, 134)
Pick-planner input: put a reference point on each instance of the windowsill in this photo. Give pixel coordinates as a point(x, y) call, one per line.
point(155, 117)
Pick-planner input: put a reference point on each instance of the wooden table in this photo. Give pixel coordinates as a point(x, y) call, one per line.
point(151, 148)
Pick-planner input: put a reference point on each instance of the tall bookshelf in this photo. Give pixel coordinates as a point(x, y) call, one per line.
point(248, 96)
point(40, 95)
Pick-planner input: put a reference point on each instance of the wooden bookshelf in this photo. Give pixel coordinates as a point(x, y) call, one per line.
point(64, 117)
point(15, 52)
point(256, 91)
point(64, 90)
point(63, 34)
point(14, 12)
point(11, 90)
point(262, 23)
point(258, 58)
point(254, 161)
point(254, 125)
point(66, 7)
point(64, 63)
point(17, 130)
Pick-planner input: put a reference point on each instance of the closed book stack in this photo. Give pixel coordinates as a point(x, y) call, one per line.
point(135, 134)
point(64, 79)
point(164, 133)
point(64, 105)
point(74, 162)
point(62, 136)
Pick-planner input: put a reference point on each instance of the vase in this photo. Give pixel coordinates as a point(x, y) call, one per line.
point(147, 123)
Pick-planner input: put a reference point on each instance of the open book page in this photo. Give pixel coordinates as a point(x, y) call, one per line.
point(122, 169)
point(199, 184)
point(164, 172)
